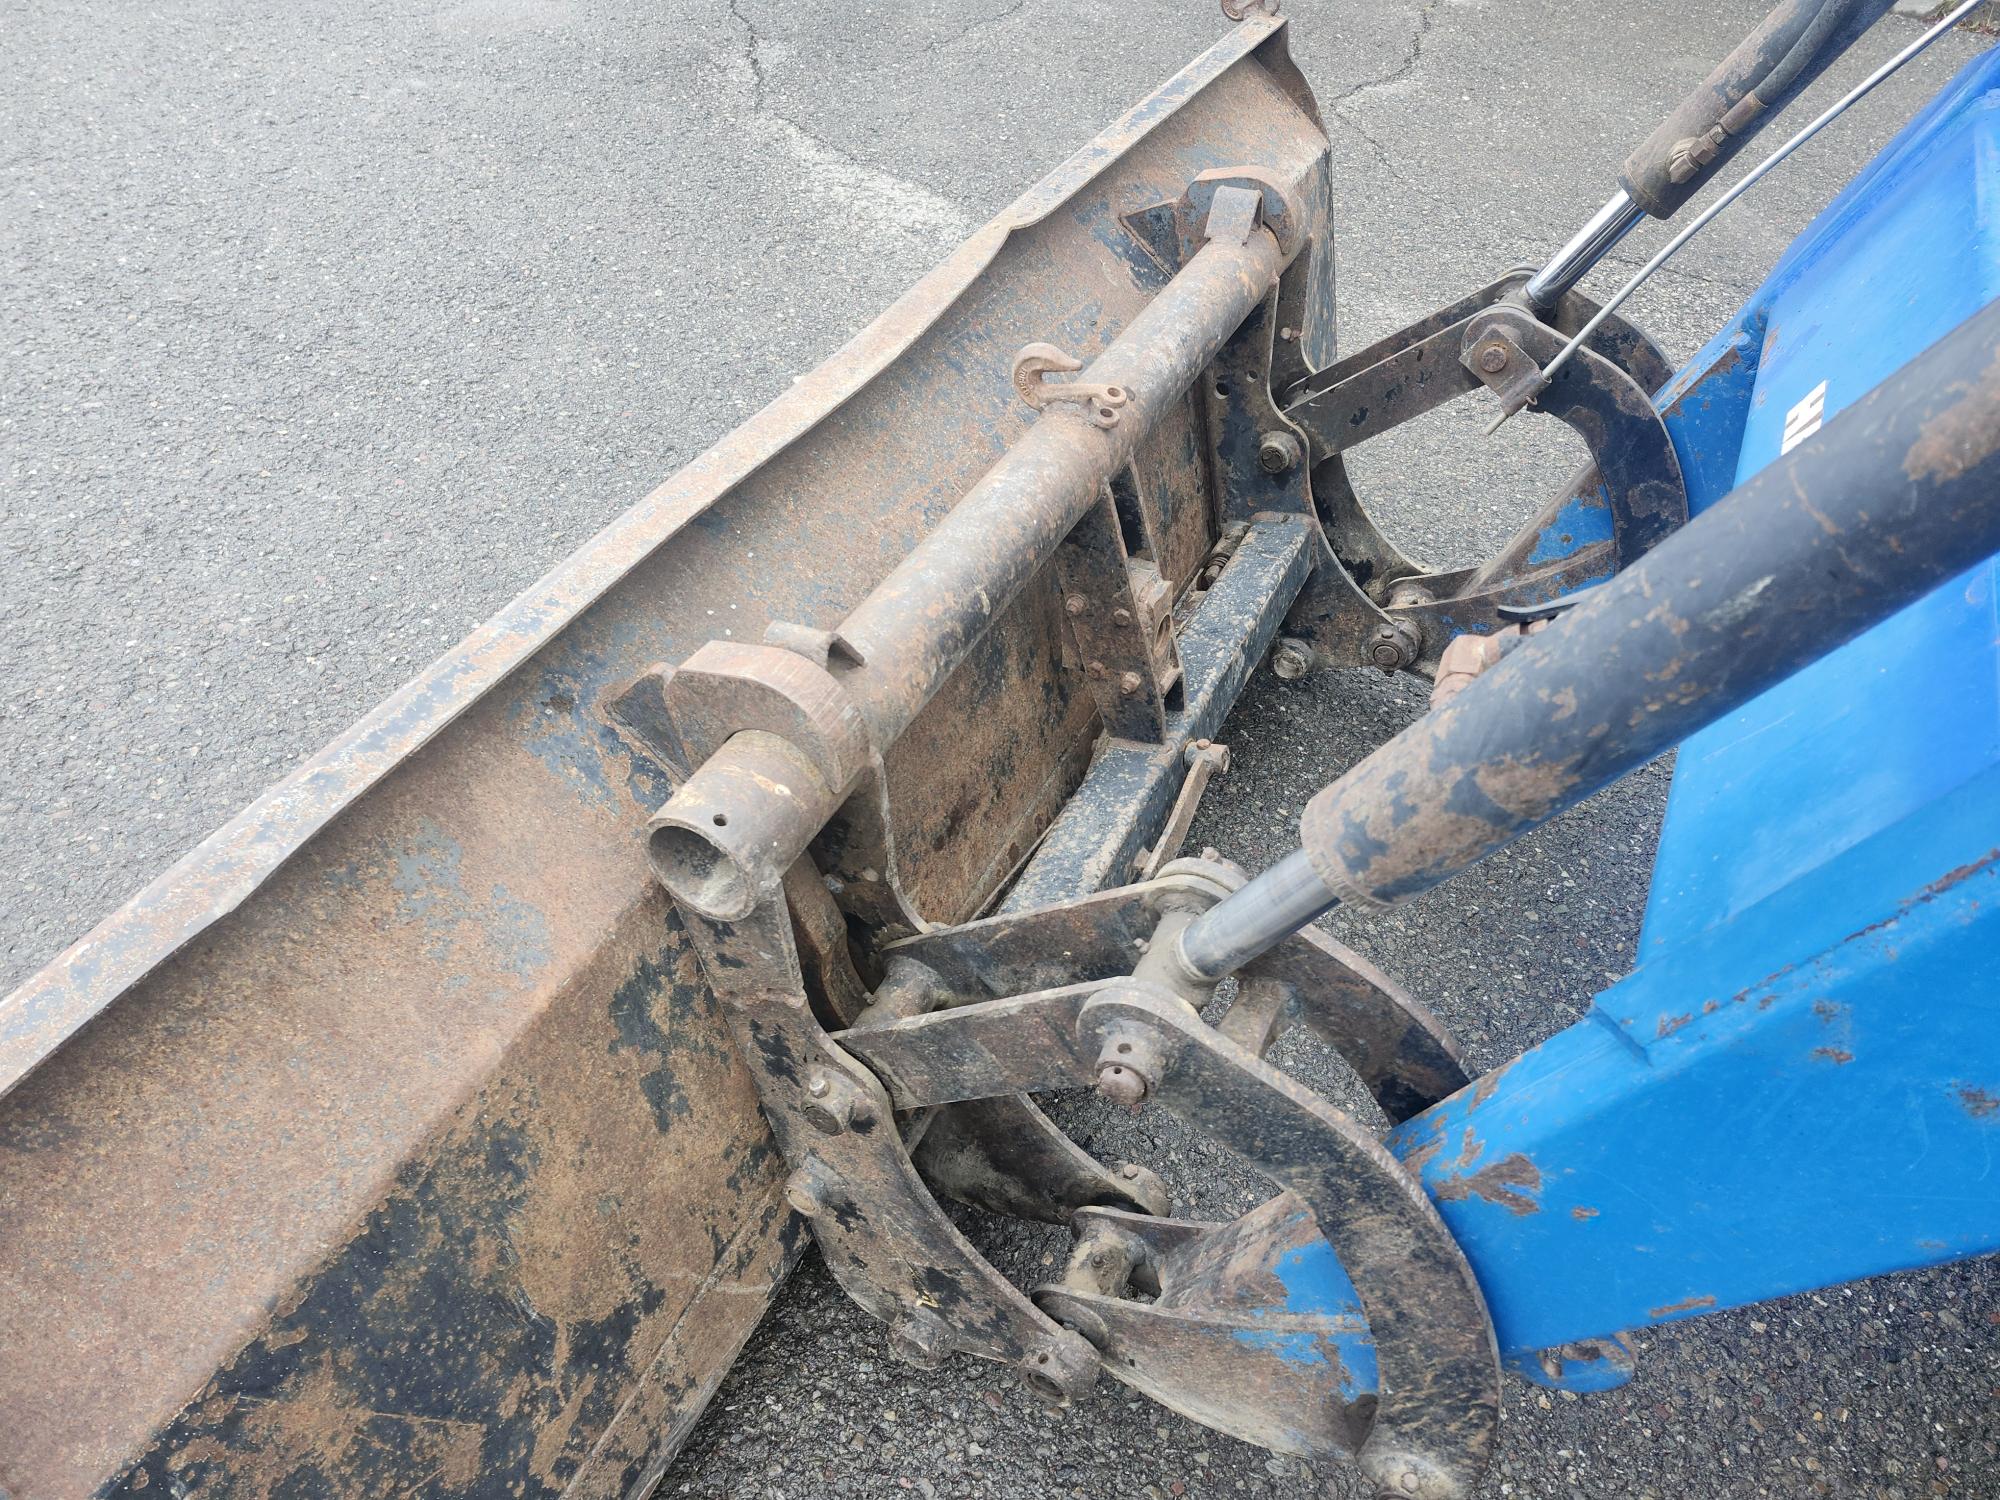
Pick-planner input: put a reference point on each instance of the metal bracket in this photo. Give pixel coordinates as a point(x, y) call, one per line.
point(1433, 1426)
point(1400, 1052)
point(1260, 462)
point(1035, 363)
point(1413, 609)
point(1612, 412)
point(1120, 613)
point(883, 1236)
point(1215, 1310)
point(1205, 759)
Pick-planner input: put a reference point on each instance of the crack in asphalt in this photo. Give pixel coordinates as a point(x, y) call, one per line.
point(1426, 18)
point(982, 24)
point(875, 197)
point(1381, 154)
point(753, 46)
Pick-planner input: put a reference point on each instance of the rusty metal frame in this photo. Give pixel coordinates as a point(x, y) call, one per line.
point(431, 962)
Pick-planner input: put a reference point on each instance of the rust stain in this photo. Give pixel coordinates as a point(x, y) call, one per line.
point(1488, 1085)
point(1670, 1024)
point(1581, 1213)
point(1509, 1182)
point(1962, 436)
point(1931, 892)
point(1977, 1102)
point(1423, 1156)
point(1686, 1304)
point(1469, 1151)
point(1838, 1056)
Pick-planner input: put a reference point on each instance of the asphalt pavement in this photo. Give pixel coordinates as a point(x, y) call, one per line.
point(329, 328)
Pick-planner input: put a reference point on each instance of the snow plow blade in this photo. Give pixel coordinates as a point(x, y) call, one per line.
point(394, 1138)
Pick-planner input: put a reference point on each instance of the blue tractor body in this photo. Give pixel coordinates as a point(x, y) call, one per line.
point(1799, 1083)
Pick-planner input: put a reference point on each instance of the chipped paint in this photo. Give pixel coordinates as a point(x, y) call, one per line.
point(1686, 1305)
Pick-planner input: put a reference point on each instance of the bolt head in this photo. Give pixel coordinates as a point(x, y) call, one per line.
point(1095, 669)
point(1121, 617)
point(1392, 647)
point(1278, 452)
point(1130, 683)
point(1076, 604)
point(831, 1106)
point(1291, 660)
point(1493, 358)
point(919, 1340)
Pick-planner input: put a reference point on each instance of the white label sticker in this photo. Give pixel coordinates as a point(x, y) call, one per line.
point(1803, 420)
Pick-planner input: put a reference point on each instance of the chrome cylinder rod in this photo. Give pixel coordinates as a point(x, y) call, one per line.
point(1586, 248)
point(1257, 918)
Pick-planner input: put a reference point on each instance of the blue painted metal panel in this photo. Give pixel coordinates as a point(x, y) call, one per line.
point(1800, 1083)
point(1780, 1103)
point(1319, 1321)
point(1905, 254)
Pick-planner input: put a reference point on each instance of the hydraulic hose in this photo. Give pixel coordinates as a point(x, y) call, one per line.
point(1768, 69)
point(1891, 498)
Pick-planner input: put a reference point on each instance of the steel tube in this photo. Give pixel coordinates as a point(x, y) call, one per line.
point(1586, 248)
point(1231, 933)
point(736, 825)
point(919, 623)
point(1893, 497)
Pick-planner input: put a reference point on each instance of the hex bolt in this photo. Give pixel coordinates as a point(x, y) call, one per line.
point(1121, 617)
point(919, 1339)
point(1410, 596)
point(833, 1104)
point(1392, 646)
point(1076, 604)
point(1291, 660)
point(1094, 669)
point(1130, 683)
point(1493, 358)
point(1278, 452)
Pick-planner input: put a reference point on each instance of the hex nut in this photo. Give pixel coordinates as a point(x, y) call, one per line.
point(1392, 646)
point(1076, 604)
point(1291, 660)
point(919, 1339)
point(1130, 683)
point(1278, 452)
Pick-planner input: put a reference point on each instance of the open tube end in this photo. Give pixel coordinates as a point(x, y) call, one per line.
point(699, 874)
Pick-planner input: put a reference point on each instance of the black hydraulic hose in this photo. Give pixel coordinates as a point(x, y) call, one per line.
point(1791, 48)
point(1831, 15)
point(1897, 494)
point(1768, 69)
